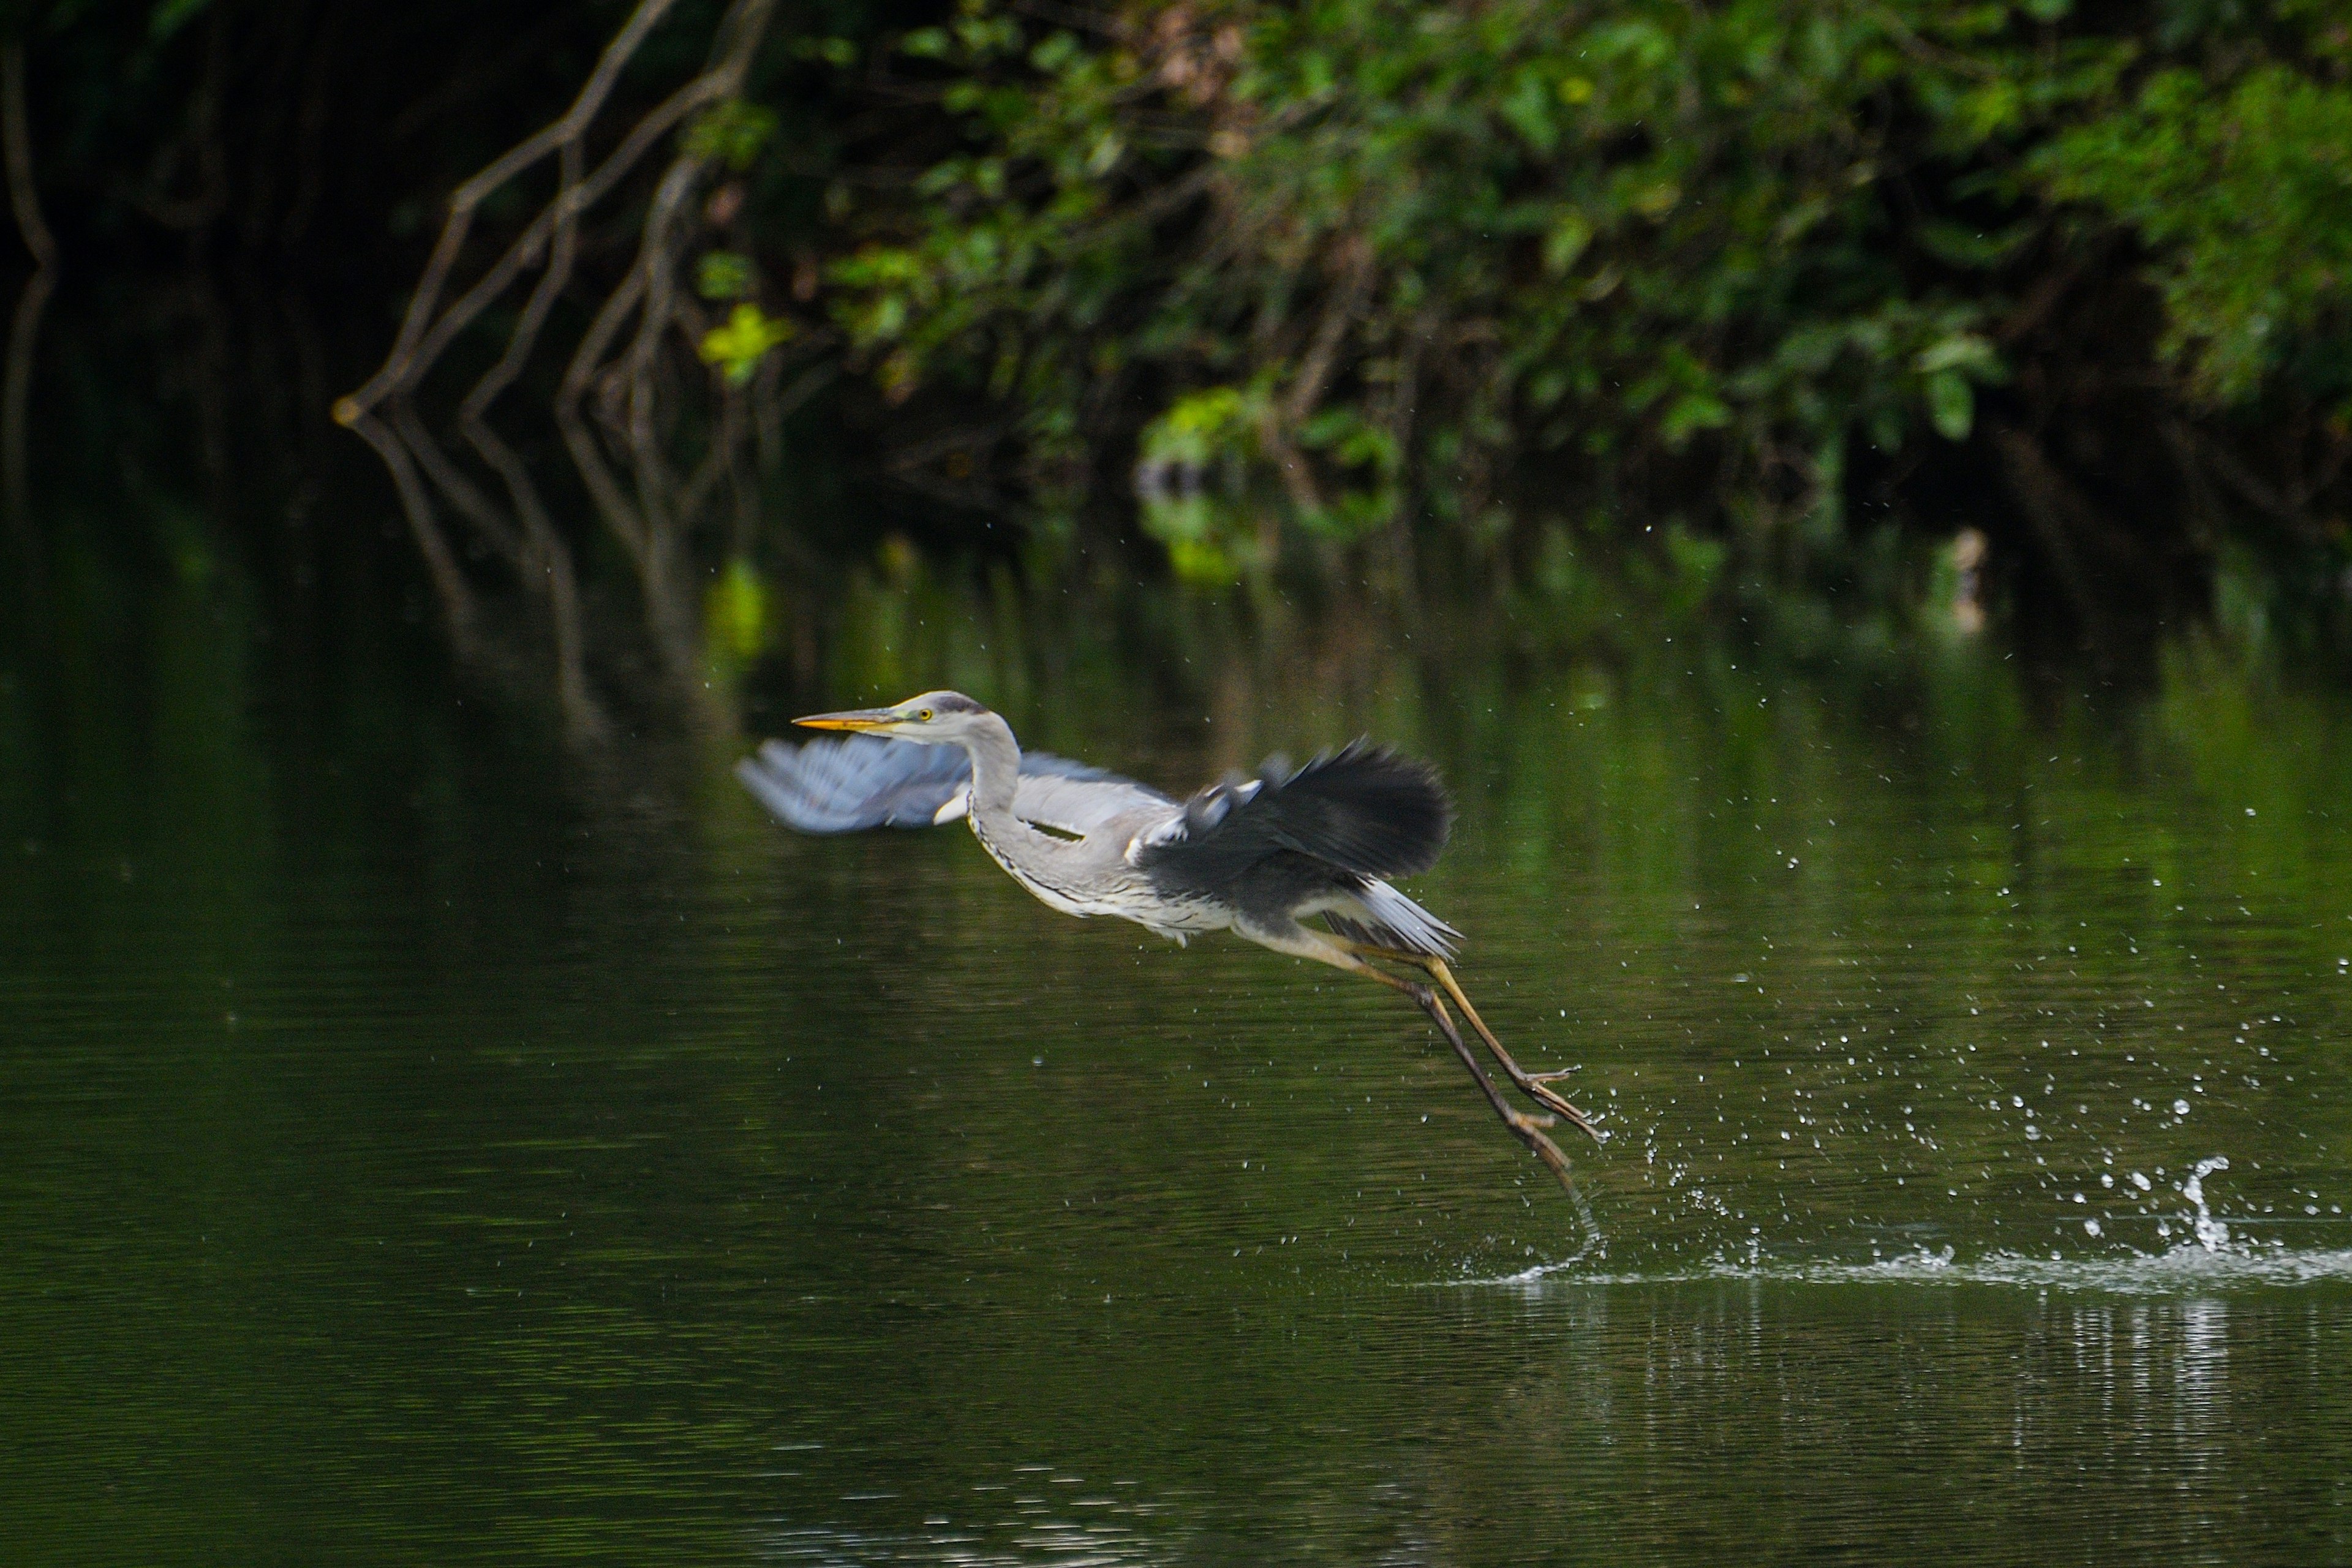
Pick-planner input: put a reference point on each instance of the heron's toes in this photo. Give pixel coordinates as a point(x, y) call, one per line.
point(1548, 1097)
point(1552, 1102)
point(1551, 1099)
point(1583, 1122)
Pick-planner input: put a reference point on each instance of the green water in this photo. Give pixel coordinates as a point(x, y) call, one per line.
point(422, 1144)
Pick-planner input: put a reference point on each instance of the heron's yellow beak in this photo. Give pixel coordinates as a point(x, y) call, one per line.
point(855, 718)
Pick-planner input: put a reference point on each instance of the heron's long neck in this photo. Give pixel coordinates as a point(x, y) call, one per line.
point(1033, 857)
point(995, 770)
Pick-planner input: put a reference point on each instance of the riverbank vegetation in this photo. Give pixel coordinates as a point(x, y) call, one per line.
point(1506, 298)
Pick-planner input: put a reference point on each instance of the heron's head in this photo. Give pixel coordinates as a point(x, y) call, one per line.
point(934, 718)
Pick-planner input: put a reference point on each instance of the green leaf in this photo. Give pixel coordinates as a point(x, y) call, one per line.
point(1529, 108)
point(1961, 351)
point(1690, 413)
point(1570, 232)
point(1201, 426)
point(1951, 405)
point(738, 347)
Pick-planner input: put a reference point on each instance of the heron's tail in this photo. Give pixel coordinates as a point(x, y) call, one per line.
point(1383, 917)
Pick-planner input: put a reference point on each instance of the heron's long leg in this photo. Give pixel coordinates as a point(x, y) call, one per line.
point(1326, 948)
point(1528, 1128)
point(1531, 1084)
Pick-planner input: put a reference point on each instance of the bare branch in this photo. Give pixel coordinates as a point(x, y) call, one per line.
point(627, 468)
point(466, 197)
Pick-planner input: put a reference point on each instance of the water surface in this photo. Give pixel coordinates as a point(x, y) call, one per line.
point(426, 1144)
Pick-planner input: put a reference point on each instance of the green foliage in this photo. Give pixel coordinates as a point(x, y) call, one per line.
point(2244, 188)
point(1951, 393)
point(1318, 268)
point(735, 611)
point(1622, 230)
point(1213, 432)
point(738, 346)
point(732, 133)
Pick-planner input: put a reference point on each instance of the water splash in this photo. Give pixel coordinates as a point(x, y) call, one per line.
point(2212, 1234)
point(2207, 1258)
point(1595, 1244)
point(2187, 1269)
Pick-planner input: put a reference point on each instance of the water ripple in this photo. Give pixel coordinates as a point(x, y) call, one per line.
point(2187, 1269)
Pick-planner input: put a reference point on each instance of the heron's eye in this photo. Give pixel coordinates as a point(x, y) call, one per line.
point(923, 716)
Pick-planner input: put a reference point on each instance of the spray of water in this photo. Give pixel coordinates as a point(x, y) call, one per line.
point(2213, 1262)
point(2212, 1234)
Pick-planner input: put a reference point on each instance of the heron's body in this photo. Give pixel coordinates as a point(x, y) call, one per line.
point(1258, 857)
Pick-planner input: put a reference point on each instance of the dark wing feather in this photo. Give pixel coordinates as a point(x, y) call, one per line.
point(1362, 810)
point(865, 781)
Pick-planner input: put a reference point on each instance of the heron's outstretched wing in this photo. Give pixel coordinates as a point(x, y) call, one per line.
point(864, 781)
point(1362, 809)
point(1055, 791)
point(858, 782)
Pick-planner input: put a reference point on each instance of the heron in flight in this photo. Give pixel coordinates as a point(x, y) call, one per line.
point(1259, 857)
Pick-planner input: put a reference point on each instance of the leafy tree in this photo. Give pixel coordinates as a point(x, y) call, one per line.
point(1372, 249)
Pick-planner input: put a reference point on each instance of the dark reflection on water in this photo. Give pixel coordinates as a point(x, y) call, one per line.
point(1645, 1423)
point(423, 1147)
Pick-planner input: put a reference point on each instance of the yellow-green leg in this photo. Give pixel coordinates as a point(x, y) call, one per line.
point(1527, 1129)
point(1533, 1085)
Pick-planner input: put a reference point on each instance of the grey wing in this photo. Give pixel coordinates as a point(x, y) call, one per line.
point(854, 783)
point(864, 781)
point(1054, 791)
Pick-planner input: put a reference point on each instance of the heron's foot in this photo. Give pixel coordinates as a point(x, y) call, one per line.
point(1539, 1086)
point(1576, 1119)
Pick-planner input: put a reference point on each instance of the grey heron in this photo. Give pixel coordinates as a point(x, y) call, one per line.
point(1257, 856)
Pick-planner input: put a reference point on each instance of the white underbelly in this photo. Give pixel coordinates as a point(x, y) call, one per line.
point(1127, 899)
